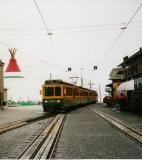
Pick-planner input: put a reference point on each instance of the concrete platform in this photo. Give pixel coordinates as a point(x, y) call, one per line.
point(11, 114)
point(130, 118)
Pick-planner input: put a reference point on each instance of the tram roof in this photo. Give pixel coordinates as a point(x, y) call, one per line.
point(62, 82)
point(57, 81)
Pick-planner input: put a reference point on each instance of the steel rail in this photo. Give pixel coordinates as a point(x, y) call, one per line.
point(129, 131)
point(16, 124)
point(41, 147)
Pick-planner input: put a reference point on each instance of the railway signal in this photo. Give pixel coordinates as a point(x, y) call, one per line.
point(69, 69)
point(90, 84)
point(95, 68)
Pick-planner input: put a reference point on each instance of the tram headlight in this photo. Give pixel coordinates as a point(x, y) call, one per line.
point(45, 101)
point(58, 101)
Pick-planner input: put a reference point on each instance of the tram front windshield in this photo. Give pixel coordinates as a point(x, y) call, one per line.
point(52, 91)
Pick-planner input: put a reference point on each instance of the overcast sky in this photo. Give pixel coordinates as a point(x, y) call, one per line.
point(83, 33)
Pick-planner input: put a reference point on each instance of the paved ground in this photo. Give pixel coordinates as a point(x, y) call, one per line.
point(17, 113)
point(11, 114)
point(86, 135)
point(131, 118)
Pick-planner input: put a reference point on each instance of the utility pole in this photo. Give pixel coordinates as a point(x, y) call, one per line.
point(81, 78)
point(90, 84)
point(100, 92)
point(74, 79)
point(50, 76)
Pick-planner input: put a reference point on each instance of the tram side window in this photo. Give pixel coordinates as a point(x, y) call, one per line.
point(77, 92)
point(70, 91)
point(57, 91)
point(49, 91)
point(67, 89)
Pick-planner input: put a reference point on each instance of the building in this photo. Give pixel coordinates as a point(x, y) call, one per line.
point(116, 75)
point(132, 80)
point(132, 66)
point(127, 78)
point(1, 83)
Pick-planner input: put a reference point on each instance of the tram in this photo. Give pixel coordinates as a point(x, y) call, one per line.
point(58, 95)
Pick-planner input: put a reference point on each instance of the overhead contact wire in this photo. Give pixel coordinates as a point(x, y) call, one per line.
point(120, 34)
point(68, 28)
point(41, 16)
point(47, 29)
point(38, 59)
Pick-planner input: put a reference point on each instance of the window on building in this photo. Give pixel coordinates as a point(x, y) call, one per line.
point(126, 73)
point(132, 70)
point(136, 68)
point(139, 83)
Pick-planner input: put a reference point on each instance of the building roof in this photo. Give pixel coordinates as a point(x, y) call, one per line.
point(59, 81)
point(132, 57)
point(109, 85)
point(116, 73)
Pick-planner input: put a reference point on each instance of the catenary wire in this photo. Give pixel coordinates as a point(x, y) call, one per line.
point(120, 34)
point(36, 58)
point(31, 56)
point(63, 32)
point(47, 29)
point(67, 28)
point(79, 27)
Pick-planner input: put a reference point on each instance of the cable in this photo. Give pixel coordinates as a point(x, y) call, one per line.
point(64, 32)
point(65, 28)
point(47, 29)
point(120, 34)
point(133, 15)
point(113, 44)
point(89, 26)
point(38, 59)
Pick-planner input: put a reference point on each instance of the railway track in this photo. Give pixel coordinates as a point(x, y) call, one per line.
point(129, 131)
point(16, 124)
point(42, 146)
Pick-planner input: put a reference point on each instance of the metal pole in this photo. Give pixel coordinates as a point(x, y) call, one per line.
point(100, 92)
point(90, 85)
point(50, 76)
point(81, 78)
